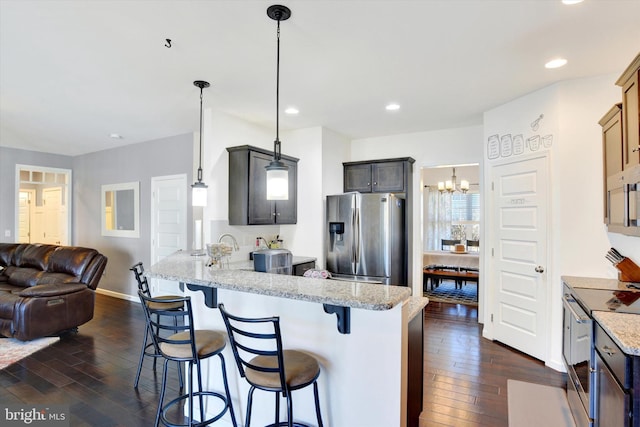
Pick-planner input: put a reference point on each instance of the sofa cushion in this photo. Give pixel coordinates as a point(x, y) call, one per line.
point(52, 290)
point(6, 253)
point(25, 277)
point(34, 256)
point(70, 260)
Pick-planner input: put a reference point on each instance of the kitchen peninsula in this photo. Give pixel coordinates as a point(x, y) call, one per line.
point(365, 362)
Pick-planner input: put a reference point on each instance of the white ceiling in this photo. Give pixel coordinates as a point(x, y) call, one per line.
point(72, 72)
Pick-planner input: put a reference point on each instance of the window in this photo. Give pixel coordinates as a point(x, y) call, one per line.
point(465, 207)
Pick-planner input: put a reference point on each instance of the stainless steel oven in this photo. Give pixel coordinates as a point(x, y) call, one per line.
point(577, 353)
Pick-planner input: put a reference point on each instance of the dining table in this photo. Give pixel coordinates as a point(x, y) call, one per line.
point(451, 259)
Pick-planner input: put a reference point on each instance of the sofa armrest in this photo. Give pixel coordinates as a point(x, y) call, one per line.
point(51, 290)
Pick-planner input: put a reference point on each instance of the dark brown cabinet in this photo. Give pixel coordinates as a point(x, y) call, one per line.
point(377, 176)
point(612, 159)
point(248, 204)
point(630, 83)
point(621, 156)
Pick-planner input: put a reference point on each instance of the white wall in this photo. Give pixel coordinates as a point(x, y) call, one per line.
point(434, 148)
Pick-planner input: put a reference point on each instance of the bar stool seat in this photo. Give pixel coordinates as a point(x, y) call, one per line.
point(208, 343)
point(300, 370)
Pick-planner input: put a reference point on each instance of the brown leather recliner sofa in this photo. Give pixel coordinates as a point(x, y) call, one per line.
point(46, 289)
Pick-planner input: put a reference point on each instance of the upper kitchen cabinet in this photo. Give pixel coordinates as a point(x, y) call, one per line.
point(621, 156)
point(248, 204)
point(612, 161)
point(378, 176)
point(630, 83)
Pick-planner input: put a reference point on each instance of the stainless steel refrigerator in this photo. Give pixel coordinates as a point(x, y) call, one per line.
point(366, 238)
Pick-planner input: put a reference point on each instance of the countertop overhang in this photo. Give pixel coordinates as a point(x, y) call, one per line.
point(182, 267)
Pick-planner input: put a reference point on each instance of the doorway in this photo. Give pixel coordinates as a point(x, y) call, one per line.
point(43, 205)
point(451, 233)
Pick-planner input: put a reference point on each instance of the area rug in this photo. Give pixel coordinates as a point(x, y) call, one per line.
point(534, 405)
point(447, 292)
point(12, 350)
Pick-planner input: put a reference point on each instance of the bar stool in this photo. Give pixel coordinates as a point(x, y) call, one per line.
point(185, 344)
point(148, 348)
point(277, 370)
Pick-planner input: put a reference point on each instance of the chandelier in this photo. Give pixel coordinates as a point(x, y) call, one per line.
point(451, 186)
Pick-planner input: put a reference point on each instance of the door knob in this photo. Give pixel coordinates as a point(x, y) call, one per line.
point(539, 269)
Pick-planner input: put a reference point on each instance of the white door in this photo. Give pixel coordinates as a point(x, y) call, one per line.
point(26, 201)
point(52, 203)
point(168, 223)
point(520, 200)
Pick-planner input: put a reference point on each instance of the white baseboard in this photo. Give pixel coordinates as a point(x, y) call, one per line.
point(117, 295)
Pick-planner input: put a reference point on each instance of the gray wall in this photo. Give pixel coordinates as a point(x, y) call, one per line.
point(137, 162)
point(9, 158)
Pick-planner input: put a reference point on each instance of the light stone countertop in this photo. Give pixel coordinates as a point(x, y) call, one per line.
point(415, 306)
point(623, 328)
point(182, 267)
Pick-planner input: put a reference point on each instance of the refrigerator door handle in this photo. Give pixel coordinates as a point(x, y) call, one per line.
point(357, 234)
point(353, 240)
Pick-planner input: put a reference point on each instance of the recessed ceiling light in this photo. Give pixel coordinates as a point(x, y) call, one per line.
point(556, 63)
point(572, 1)
point(392, 107)
point(292, 111)
point(115, 136)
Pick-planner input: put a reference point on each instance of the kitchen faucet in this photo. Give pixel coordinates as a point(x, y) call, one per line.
point(235, 243)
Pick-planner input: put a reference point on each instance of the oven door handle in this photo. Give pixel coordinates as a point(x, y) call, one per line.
point(568, 301)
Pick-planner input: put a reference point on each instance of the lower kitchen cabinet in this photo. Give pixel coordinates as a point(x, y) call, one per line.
point(248, 204)
point(616, 378)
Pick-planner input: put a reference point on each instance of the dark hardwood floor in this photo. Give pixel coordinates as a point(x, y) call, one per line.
point(465, 375)
point(92, 371)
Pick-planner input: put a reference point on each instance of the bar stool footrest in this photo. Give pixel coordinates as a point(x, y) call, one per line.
point(196, 394)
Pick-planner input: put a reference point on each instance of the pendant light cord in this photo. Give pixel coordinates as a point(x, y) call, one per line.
point(200, 160)
point(277, 142)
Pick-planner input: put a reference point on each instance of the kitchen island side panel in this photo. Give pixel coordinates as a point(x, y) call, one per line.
point(363, 378)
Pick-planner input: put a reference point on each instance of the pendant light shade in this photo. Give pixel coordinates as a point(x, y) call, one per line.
point(278, 172)
point(199, 188)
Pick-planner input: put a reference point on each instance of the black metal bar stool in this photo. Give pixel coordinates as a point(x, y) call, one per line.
point(267, 366)
point(148, 348)
point(185, 344)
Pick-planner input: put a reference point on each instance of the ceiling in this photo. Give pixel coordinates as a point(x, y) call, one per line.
point(73, 72)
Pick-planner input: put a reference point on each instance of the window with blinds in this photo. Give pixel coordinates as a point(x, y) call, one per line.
point(465, 207)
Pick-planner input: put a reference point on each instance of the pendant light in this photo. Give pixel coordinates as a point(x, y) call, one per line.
point(277, 171)
point(199, 188)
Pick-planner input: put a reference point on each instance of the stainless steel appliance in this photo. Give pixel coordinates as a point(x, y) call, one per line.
point(366, 238)
point(577, 353)
point(597, 383)
point(275, 261)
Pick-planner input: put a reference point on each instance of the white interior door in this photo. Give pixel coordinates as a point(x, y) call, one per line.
point(52, 203)
point(520, 200)
point(168, 223)
point(26, 201)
